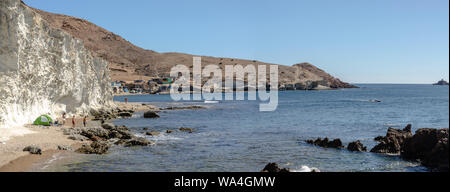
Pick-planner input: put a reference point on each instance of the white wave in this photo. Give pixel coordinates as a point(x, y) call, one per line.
point(165, 137)
point(305, 168)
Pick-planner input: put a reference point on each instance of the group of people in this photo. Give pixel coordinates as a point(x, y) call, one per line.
point(73, 120)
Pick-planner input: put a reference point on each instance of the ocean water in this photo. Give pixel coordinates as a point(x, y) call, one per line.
point(235, 136)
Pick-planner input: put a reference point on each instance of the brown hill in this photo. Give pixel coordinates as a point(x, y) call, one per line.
point(129, 62)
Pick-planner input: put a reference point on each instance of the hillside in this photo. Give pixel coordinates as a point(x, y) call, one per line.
point(129, 62)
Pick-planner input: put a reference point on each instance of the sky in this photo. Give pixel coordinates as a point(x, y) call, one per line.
point(358, 41)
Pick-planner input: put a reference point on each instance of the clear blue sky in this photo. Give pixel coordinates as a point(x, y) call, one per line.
point(359, 41)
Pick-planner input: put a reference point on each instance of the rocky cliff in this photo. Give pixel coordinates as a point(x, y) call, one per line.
point(129, 62)
point(45, 70)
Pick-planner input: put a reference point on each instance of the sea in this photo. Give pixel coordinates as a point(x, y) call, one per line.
point(234, 136)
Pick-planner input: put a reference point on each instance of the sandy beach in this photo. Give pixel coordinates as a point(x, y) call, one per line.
point(14, 159)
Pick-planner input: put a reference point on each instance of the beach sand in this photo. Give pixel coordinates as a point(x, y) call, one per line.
point(14, 159)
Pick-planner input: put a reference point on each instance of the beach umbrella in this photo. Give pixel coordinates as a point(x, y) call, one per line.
point(43, 120)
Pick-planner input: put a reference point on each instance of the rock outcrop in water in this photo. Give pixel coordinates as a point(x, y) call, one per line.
point(441, 82)
point(45, 70)
point(393, 141)
point(336, 143)
point(430, 147)
point(356, 146)
point(274, 168)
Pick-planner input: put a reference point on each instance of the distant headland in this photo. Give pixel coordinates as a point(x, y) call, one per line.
point(441, 82)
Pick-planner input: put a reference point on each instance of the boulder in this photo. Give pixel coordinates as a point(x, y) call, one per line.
point(393, 141)
point(125, 114)
point(71, 131)
point(125, 134)
point(108, 126)
point(169, 131)
point(184, 129)
point(115, 135)
point(120, 142)
point(336, 143)
point(78, 137)
point(151, 114)
point(430, 147)
point(153, 133)
point(96, 133)
point(137, 142)
point(274, 168)
point(64, 148)
point(356, 146)
point(94, 148)
point(33, 150)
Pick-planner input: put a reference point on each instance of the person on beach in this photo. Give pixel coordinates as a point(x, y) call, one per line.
point(64, 119)
point(126, 100)
point(84, 121)
point(73, 121)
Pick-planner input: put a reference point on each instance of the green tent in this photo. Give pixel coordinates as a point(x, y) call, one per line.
point(43, 120)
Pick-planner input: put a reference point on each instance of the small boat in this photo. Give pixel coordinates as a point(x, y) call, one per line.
point(211, 102)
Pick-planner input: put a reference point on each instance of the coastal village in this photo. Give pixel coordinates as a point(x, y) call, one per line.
point(153, 86)
point(162, 85)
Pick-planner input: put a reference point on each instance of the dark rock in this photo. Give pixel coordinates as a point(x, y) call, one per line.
point(430, 146)
point(153, 133)
point(379, 138)
point(151, 114)
point(115, 134)
point(125, 134)
point(94, 148)
point(120, 142)
point(77, 137)
point(190, 130)
point(33, 150)
point(441, 82)
point(95, 133)
point(393, 141)
point(274, 168)
point(356, 146)
point(125, 114)
point(336, 143)
point(137, 142)
point(169, 131)
point(71, 131)
point(145, 129)
point(64, 148)
point(108, 126)
point(95, 138)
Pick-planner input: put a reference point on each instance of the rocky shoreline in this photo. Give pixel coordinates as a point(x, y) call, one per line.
point(427, 146)
point(96, 138)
